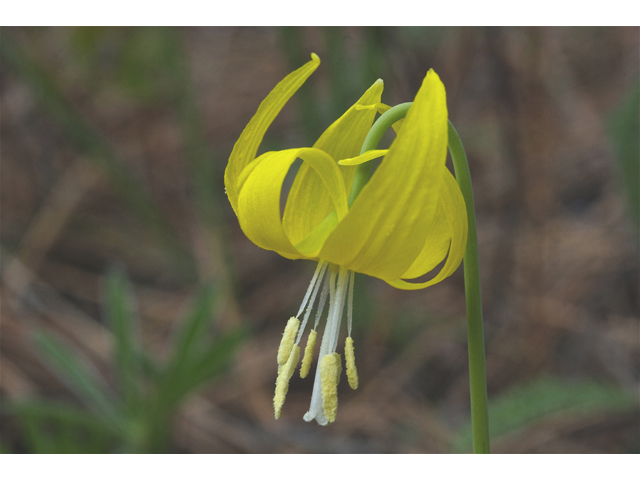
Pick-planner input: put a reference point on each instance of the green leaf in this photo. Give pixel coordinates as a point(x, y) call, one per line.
point(190, 344)
point(197, 370)
point(216, 359)
point(191, 337)
point(55, 428)
point(191, 340)
point(525, 404)
point(77, 375)
point(119, 312)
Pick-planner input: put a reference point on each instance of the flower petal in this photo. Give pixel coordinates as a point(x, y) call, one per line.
point(311, 245)
point(365, 157)
point(259, 199)
point(456, 215)
point(382, 108)
point(309, 204)
point(435, 247)
point(245, 149)
point(386, 227)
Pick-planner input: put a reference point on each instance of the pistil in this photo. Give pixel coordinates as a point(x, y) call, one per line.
point(337, 292)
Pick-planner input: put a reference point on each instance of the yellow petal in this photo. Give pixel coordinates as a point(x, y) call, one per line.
point(247, 145)
point(311, 245)
point(456, 214)
point(435, 247)
point(308, 203)
point(259, 200)
point(386, 227)
point(365, 157)
point(382, 108)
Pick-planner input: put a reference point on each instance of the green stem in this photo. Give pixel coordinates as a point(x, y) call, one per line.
point(475, 334)
point(475, 331)
point(363, 172)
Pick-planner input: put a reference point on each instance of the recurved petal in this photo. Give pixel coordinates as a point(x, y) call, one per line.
point(365, 157)
point(311, 245)
point(386, 227)
point(382, 108)
point(308, 203)
point(247, 145)
point(259, 199)
point(455, 212)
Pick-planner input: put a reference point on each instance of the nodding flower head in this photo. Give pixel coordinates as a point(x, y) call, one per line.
point(406, 220)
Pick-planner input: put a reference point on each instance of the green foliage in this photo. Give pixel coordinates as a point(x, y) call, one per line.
point(76, 373)
point(136, 418)
point(525, 404)
point(624, 130)
point(123, 323)
point(59, 428)
point(142, 62)
point(91, 144)
point(150, 66)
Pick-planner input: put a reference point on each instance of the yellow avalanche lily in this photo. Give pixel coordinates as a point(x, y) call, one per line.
point(406, 220)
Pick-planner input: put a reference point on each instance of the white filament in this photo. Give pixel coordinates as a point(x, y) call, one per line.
point(321, 265)
point(323, 301)
point(318, 280)
point(329, 340)
point(352, 276)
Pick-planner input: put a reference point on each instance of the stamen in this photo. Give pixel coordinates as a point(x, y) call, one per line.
point(323, 300)
point(330, 369)
point(315, 409)
point(285, 372)
point(322, 265)
point(287, 342)
point(350, 360)
point(352, 277)
point(308, 354)
point(338, 291)
point(338, 308)
point(318, 281)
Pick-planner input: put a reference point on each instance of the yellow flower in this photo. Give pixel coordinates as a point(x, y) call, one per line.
point(406, 220)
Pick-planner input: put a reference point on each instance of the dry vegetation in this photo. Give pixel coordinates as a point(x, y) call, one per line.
point(113, 147)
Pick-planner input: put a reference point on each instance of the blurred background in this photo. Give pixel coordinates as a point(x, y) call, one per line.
point(137, 317)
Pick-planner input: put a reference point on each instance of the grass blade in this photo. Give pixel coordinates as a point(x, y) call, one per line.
point(55, 428)
point(198, 320)
point(76, 375)
point(119, 312)
point(197, 371)
point(525, 404)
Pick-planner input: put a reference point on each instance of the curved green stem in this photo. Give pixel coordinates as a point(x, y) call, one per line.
point(363, 172)
point(475, 333)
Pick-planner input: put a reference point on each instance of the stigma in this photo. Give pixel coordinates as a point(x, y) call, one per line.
point(335, 284)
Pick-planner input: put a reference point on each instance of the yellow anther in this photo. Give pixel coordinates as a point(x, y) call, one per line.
point(285, 373)
point(308, 354)
point(350, 360)
point(288, 339)
point(330, 369)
